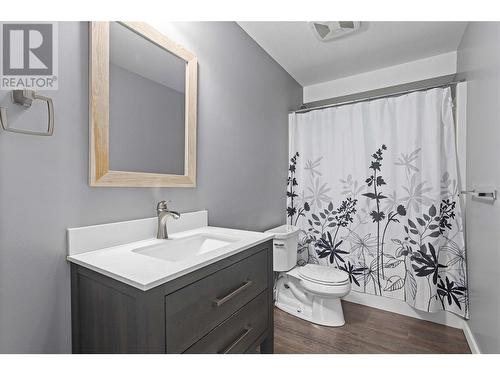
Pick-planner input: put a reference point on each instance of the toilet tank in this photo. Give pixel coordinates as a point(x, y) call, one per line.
point(286, 238)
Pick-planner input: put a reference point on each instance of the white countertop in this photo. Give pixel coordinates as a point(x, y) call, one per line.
point(144, 272)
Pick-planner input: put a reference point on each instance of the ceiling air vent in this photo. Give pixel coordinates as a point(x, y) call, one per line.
point(326, 31)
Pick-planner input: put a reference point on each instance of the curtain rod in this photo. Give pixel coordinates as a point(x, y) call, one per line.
point(304, 110)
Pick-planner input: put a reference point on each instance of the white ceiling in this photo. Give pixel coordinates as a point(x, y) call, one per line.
point(377, 45)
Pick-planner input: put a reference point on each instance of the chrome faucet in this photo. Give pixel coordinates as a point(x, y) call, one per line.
point(163, 212)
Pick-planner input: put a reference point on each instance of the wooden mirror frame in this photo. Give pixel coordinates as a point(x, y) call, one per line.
point(99, 172)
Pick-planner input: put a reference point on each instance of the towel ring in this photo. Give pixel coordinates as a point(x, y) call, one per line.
point(26, 98)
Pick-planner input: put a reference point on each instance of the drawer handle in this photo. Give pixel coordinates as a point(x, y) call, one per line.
point(237, 341)
point(220, 301)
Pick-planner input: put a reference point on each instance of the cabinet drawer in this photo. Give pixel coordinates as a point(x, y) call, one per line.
point(238, 332)
point(193, 311)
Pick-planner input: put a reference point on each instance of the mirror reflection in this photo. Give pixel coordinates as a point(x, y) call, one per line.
point(146, 105)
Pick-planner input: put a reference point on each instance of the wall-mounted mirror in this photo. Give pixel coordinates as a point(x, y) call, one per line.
point(143, 108)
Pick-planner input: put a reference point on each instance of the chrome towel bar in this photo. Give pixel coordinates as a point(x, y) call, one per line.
point(482, 193)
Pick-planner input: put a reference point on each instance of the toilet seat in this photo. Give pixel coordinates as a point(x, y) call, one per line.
point(323, 275)
point(326, 291)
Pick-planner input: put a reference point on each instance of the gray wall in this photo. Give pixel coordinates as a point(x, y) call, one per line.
point(243, 97)
point(479, 63)
point(146, 118)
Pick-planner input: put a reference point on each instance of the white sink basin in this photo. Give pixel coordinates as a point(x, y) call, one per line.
point(130, 252)
point(180, 249)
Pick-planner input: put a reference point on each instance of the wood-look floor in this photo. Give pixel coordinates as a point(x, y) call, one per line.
point(367, 330)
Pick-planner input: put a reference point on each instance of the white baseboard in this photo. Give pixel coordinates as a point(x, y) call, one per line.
point(400, 307)
point(474, 348)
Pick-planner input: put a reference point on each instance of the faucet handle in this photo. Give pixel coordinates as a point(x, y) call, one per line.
point(162, 205)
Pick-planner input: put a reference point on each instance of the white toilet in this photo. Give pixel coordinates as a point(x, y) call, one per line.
point(311, 292)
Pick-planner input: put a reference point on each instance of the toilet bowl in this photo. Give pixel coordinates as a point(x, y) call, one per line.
point(313, 293)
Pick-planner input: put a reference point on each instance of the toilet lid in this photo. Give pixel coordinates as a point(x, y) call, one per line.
point(323, 274)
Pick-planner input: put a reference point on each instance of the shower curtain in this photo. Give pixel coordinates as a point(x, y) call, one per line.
point(373, 186)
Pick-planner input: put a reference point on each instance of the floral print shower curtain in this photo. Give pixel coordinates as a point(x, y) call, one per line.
point(373, 186)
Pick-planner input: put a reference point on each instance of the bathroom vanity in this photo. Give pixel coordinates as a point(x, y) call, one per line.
point(205, 290)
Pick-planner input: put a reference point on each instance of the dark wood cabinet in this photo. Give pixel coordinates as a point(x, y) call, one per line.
point(225, 307)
